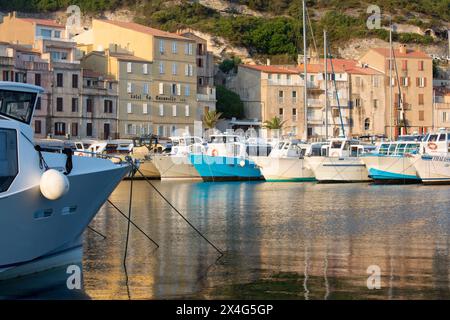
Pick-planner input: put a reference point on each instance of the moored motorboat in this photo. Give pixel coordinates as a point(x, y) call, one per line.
point(225, 159)
point(392, 162)
point(47, 199)
point(433, 162)
point(175, 163)
point(340, 162)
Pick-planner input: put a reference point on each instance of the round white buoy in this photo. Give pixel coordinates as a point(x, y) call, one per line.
point(242, 163)
point(54, 184)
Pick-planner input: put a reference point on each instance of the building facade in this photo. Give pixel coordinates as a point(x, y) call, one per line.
point(171, 104)
point(412, 88)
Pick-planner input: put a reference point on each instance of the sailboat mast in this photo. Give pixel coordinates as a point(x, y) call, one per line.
point(325, 58)
point(391, 115)
point(305, 60)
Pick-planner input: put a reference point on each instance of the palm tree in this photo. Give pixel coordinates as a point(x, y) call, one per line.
point(210, 119)
point(274, 124)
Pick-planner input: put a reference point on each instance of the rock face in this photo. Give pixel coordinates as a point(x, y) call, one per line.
point(226, 8)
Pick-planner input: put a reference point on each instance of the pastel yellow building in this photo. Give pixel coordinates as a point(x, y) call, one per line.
point(138, 55)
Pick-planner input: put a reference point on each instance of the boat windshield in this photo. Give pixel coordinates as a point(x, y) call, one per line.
point(336, 144)
point(384, 148)
point(8, 158)
point(17, 105)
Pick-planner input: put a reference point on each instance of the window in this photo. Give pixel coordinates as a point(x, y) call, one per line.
point(89, 129)
point(404, 81)
point(129, 66)
point(144, 108)
point(74, 129)
point(161, 67)
point(375, 81)
point(129, 87)
point(375, 103)
point(161, 110)
point(421, 99)
point(280, 112)
point(404, 65)
point(191, 70)
point(8, 158)
point(294, 96)
point(174, 110)
point(358, 81)
point(294, 114)
point(37, 79)
point(421, 82)
point(46, 33)
point(178, 89)
point(186, 110)
point(174, 68)
point(145, 68)
point(367, 124)
point(88, 105)
point(74, 104)
point(190, 49)
point(57, 34)
point(280, 96)
point(145, 88)
point(37, 126)
point(358, 102)
point(60, 129)
point(200, 62)
point(187, 90)
point(108, 106)
point(161, 46)
point(186, 70)
point(335, 112)
point(161, 88)
point(161, 131)
point(59, 104)
point(174, 47)
point(173, 89)
point(59, 80)
point(74, 81)
point(129, 108)
point(38, 103)
point(420, 65)
point(421, 115)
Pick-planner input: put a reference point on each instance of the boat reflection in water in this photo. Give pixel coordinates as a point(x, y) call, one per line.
point(283, 240)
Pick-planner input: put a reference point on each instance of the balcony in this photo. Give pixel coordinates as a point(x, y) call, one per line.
point(206, 94)
point(32, 65)
point(7, 61)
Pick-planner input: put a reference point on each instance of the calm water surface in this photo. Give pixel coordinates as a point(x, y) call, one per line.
point(281, 240)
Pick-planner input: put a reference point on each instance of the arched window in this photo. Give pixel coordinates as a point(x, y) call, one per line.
point(367, 124)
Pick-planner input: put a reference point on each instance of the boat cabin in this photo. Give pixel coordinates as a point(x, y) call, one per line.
point(343, 147)
point(397, 148)
point(186, 144)
point(226, 145)
point(119, 147)
point(436, 142)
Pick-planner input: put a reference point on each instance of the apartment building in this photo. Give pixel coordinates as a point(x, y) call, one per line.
point(133, 78)
point(412, 88)
point(441, 113)
point(271, 91)
point(171, 60)
point(99, 98)
point(206, 91)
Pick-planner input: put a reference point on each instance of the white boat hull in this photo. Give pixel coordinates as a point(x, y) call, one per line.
point(334, 169)
point(433, 169)
point(175, 167)
point(284, 169)
point(44, 228)
point(391, 168)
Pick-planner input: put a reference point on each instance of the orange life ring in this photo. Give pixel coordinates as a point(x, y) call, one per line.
point(432, 145)
point(214, 152)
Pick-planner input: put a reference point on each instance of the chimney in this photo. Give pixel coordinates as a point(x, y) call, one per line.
point(268, 62)
point(402, 49)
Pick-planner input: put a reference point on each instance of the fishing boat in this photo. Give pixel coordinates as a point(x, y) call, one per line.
point(433, 162)
point(392, 162)
point(226, 159)
point(47, 199)
point(144, 149)
point(175, 163)
point(286, 162)
point(340, 162)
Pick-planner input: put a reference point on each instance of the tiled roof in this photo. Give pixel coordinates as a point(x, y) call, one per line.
point(44, 22)
point(270, 69)
point(127, 57)
point(144, 29)
point(409, 53)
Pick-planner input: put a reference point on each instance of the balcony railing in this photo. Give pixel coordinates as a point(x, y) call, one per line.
point(9, 61)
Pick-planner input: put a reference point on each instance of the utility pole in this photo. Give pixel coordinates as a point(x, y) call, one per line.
point(325, 57)
point(305, 60)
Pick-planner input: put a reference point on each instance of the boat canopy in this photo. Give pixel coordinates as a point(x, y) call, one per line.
point(18, 100)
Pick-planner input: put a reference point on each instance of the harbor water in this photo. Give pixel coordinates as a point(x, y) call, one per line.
point(280, 241)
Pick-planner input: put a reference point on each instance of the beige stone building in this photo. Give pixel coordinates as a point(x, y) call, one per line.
point(171, 72)
point(412, 87)
point(441, 116)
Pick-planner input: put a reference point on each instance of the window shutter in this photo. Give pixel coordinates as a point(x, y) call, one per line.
point(129, 87)
point(424, 82)
point(161, 110)
point(178, 89)
point(161, 88)
point(129, 67)
point(186, 110)
point(144, 108)
point(145, 68)
point(174, 110)
point(186, 70)
point(129, 107)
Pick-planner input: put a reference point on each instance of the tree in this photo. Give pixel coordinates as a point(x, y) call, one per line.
point(274, 124)
point(229, 103)
point(229, 64)
point(210, 119)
